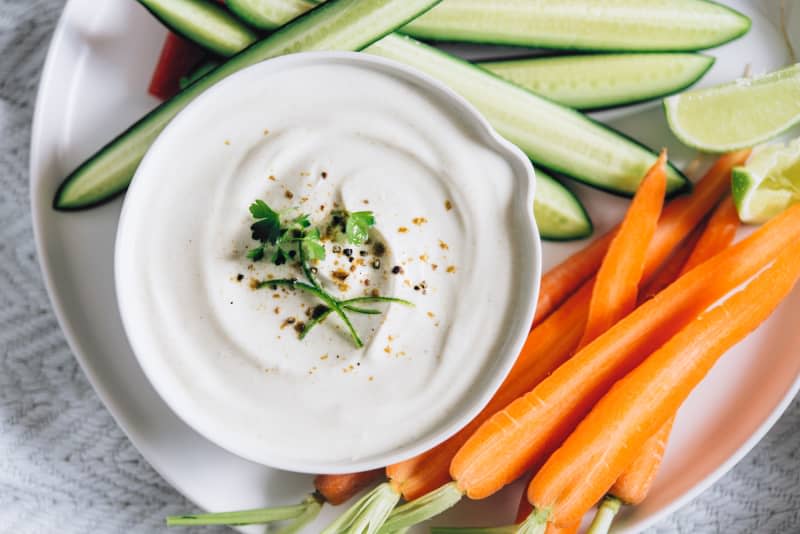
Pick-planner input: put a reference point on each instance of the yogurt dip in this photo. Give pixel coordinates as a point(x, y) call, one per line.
point(453, 234)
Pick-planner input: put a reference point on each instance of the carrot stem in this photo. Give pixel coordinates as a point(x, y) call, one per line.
point(423, 508)
point(300, 522)
point(368, 514)
point(256, 516)
point(607, 510)
point(535, 523)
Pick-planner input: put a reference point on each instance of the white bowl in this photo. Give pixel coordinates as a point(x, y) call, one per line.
point(180, 131)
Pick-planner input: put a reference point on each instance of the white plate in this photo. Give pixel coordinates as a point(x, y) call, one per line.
point(94, 84)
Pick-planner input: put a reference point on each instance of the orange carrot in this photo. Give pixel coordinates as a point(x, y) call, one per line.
point(562, 280)
point(617, 283)
point(340, 488)
point(548, 346)
point(634, 484)
point(719, 233)
point(552, 528)
point(679, 218)
point(671, 270)
point(533, 425)
point(586, 465)
point(616, 287)
point(682, 215)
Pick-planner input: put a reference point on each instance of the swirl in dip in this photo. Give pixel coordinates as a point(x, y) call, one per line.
point(452, 234)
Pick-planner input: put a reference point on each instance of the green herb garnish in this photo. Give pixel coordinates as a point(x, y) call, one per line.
point(358, 225)
point(283, 239)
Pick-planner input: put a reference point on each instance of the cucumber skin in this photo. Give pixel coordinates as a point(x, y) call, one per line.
point(115, 190)
point(555, 237)
point(684, 186)
point(685, 183)
point(157, 119)
point(247, 35)
point(498, 39)
point(244, 9)
point(622, 102)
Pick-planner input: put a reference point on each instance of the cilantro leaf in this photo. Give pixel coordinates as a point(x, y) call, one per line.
point(358, 225)
point(278, 256)
point(266, 230)
point(312, 234)
point(313, 250)
point(312, 247)
point(256, 254)
point(303, 221)
point(261, 210)
point(267, 227)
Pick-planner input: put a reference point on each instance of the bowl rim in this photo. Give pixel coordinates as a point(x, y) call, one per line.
point(453, 420)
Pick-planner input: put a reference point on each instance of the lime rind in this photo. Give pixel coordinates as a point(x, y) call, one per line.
point(738, 114)
point(768, 183)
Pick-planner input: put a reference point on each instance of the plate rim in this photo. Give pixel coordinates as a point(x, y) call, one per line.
point(116, 412)
point(45, 267)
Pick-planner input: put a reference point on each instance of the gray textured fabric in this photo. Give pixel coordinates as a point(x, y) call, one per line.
point(66, 467)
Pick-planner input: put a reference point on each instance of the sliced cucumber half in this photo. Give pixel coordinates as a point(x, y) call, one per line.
point(551, 135)
point(598, 81)
point(608, 25)
point(592, 25)
point(214, 26)
point(335, 25)
point(559, 214)
point(268, 14)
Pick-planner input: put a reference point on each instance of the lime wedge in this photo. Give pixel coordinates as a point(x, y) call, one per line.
point(768, 183)
point(738, 114)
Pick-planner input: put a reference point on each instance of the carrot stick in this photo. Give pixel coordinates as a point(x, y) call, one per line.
point(586, 465)
point(637, 478)
point(719, 233)
point(547, 347)
point(616, 287)
point(562, 280)
point(671, 270)
point(617, 283)
point(679, 218)
point(635, 482)
point(424, 480)
point(683, 214)
point(337, 489)
point(522, 434)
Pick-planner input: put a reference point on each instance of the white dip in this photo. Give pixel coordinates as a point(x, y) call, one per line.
point(320, 136)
